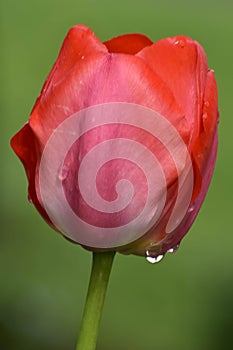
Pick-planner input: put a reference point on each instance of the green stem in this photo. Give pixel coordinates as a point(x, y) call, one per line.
point(101, 268)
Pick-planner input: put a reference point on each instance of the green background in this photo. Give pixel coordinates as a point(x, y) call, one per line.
point(183, 302)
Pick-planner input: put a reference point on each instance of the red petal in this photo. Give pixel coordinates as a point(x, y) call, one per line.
point(182, 64)
point(79, 43)
point(195, 206)
point(209, 119)
point(23, 144)
point(128, 43)
point(65, 98)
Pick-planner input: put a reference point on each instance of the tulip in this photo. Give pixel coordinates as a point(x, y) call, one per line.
point(120, 148)
point(121, 144)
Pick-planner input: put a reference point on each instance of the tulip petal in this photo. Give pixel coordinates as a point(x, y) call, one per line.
point(63, 99)
point(128, 43)
point(179, 233)
point(209, 120)
point(23, 144)
point(79, 43)
point(204, 153)
point(182, 64)
point(106, 78)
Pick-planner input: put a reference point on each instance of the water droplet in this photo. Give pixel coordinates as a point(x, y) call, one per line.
point(206, 103)
point(179, 43)
point(191, 208)
point(30, 200)
point(173, 249)
point(82, 57)
point(63, 173)
point(204, 116)
point(153, 259)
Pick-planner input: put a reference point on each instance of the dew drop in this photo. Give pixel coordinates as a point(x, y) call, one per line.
point(206, 103)
point(191, 208)
point(63, 173)
point(179, 43)
point(204, 116)
point(173, 249)
point(30, 200)
point(153, 259)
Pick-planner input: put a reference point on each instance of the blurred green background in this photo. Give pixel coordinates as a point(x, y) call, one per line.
point(184, 302)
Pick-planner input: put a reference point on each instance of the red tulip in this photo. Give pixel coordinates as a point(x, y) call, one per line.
point(121, 144)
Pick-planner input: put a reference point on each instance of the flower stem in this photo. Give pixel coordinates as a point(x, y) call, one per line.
point(101, 268)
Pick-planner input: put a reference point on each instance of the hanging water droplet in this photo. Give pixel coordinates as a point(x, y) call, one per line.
point(153, 259)
point(30, 200)
point(173, 249)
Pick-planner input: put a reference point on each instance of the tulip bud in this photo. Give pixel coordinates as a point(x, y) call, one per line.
point(121, 144)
